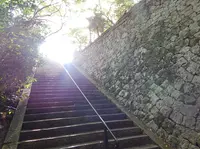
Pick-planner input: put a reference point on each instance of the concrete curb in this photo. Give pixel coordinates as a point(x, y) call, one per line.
point(153, 136)
point(13, 133)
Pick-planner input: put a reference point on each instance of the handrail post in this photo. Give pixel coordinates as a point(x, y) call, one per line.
point(117, 145)
point(105, 138)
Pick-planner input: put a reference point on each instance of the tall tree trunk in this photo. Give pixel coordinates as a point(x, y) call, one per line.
point(90, 35)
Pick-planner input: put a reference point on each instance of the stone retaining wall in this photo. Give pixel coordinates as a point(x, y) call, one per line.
point(150, 61)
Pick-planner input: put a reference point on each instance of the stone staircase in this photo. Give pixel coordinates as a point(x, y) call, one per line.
point(59, 117)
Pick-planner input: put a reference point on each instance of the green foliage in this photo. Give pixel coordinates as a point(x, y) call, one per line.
point(121, 6)
point(22, 29)
point(97, 23)
point(4, 17)
point(18, 56)
point(105, 14)
point(79, 37)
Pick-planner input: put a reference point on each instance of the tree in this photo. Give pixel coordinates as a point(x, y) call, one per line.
point(79, 38)
point(23, 27)
point(105, 14)
point(121, 6)
point(96, 24)
point(115, 10)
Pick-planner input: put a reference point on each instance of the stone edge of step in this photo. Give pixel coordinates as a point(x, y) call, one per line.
point(83, 133)
point(93, 142)
point(69, 111)
point(69, 126)
point(101, 142)
point(69, 118)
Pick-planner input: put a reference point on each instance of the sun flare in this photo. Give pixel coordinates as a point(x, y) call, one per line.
point(58, 48)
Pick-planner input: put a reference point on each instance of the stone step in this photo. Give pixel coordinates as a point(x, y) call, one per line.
point(61, 114)
point(119, 132)
point(70, 95)
point(67, 108)
point(148, 146)
point(64, 95)
point(65, 103)
point(73, 129)
point(60, 79)
point(74, 88)
point(64, 99)
point(55, 142)
point(47, 123)
point(100, 145)
point(39, 89)
point(58, 116)
point(62, 85)
point(63, 88)
point(83, 88)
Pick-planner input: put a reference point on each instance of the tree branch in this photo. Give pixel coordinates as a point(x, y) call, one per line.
point(61, 27)
point(35, 14)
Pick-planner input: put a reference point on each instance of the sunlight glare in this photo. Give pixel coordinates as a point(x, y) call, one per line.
point(58, 49)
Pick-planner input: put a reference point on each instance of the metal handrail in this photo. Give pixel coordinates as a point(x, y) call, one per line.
point(106, 128)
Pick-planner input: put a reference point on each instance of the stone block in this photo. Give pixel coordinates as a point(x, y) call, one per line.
point(187, 99)
point(177, 117)
point(189, 122)
point(154, 110)
point(189, 110)
point(184, 144)
point(165, 84)
point(168, 101)
point(181, 61)
point(170, 89)
point(168, 125)
point(126, 87)
point(152, 125)
point(196, 7)
point(196, 49)
point(162, 133)
point(196, 79)
point(153, 86)
point(196, 59)
point(193, 146)
point(138, 76)
point(185, 75)
point(166, 111)
point(188, 87)
point(194, 28)
point(190, 135)
point(153, 97)
point(197, 127)
point(163, 94)
point(178, 83)
point(189, 55)
point(173, 141)
point(159, 104)
point(175, 94)
point(184, 33)
point(193, 68)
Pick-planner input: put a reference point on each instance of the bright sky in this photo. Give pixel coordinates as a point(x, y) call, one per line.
point(59, 47)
